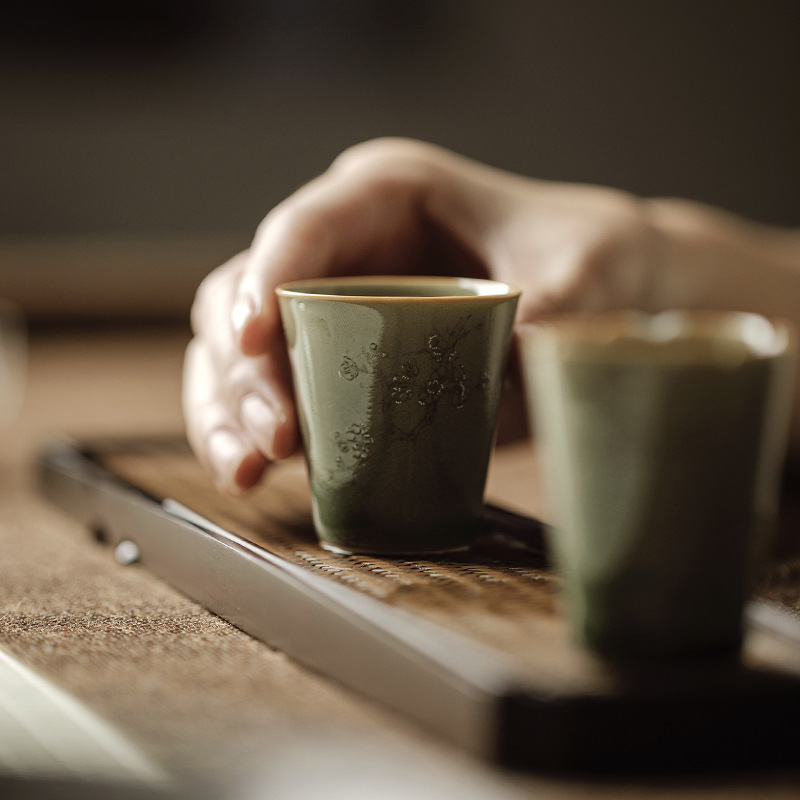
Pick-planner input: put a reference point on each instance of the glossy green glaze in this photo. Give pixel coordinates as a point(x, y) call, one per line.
point(397, 383)
point(662, 455)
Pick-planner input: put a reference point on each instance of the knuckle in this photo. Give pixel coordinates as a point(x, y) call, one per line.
point(375, 152)
point(383, 160)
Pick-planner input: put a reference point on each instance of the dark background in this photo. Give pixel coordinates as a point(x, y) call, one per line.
point(142, 142)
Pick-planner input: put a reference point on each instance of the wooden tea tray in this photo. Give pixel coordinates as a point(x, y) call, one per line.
point(472, 646)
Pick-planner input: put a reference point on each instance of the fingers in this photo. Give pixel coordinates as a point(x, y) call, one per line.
point(238, 409)
point(213, 429)
point(363, 216)
point(355, 218)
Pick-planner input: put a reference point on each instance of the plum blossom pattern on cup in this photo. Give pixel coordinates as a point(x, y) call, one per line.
point(427, 377)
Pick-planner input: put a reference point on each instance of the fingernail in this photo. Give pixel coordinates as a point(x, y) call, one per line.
point(226, 452)
point(261, 421)
point(244, 310)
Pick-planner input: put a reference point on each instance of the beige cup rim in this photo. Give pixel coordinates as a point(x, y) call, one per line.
point(485, 289)
point(764, 336)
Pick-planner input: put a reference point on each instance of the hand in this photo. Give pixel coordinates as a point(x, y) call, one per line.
point(392, 206)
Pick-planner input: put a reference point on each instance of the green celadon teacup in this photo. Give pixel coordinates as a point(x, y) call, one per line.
point(662, 438)
point(397, 385)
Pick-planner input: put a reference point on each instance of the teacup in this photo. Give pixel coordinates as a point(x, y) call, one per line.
point(662, 440)
point(397, 385)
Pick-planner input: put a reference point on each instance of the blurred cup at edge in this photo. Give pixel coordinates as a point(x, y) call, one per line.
point(663, 438)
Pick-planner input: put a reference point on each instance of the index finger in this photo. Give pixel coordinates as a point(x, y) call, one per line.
point(344, 222)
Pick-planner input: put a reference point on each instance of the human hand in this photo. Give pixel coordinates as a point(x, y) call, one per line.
point(390, 207)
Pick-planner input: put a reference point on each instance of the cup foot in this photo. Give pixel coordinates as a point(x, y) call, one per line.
point(365, 551)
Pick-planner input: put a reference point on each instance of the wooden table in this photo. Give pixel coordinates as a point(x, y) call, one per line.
point(202, 701)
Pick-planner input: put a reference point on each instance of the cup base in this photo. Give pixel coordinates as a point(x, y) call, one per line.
point(366, 551)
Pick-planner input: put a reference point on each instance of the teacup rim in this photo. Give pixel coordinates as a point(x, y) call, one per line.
point(668, 326)
point(488, 289)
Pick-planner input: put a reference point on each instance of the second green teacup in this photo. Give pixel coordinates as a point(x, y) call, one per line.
point(397, 385)
point(662, 439)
